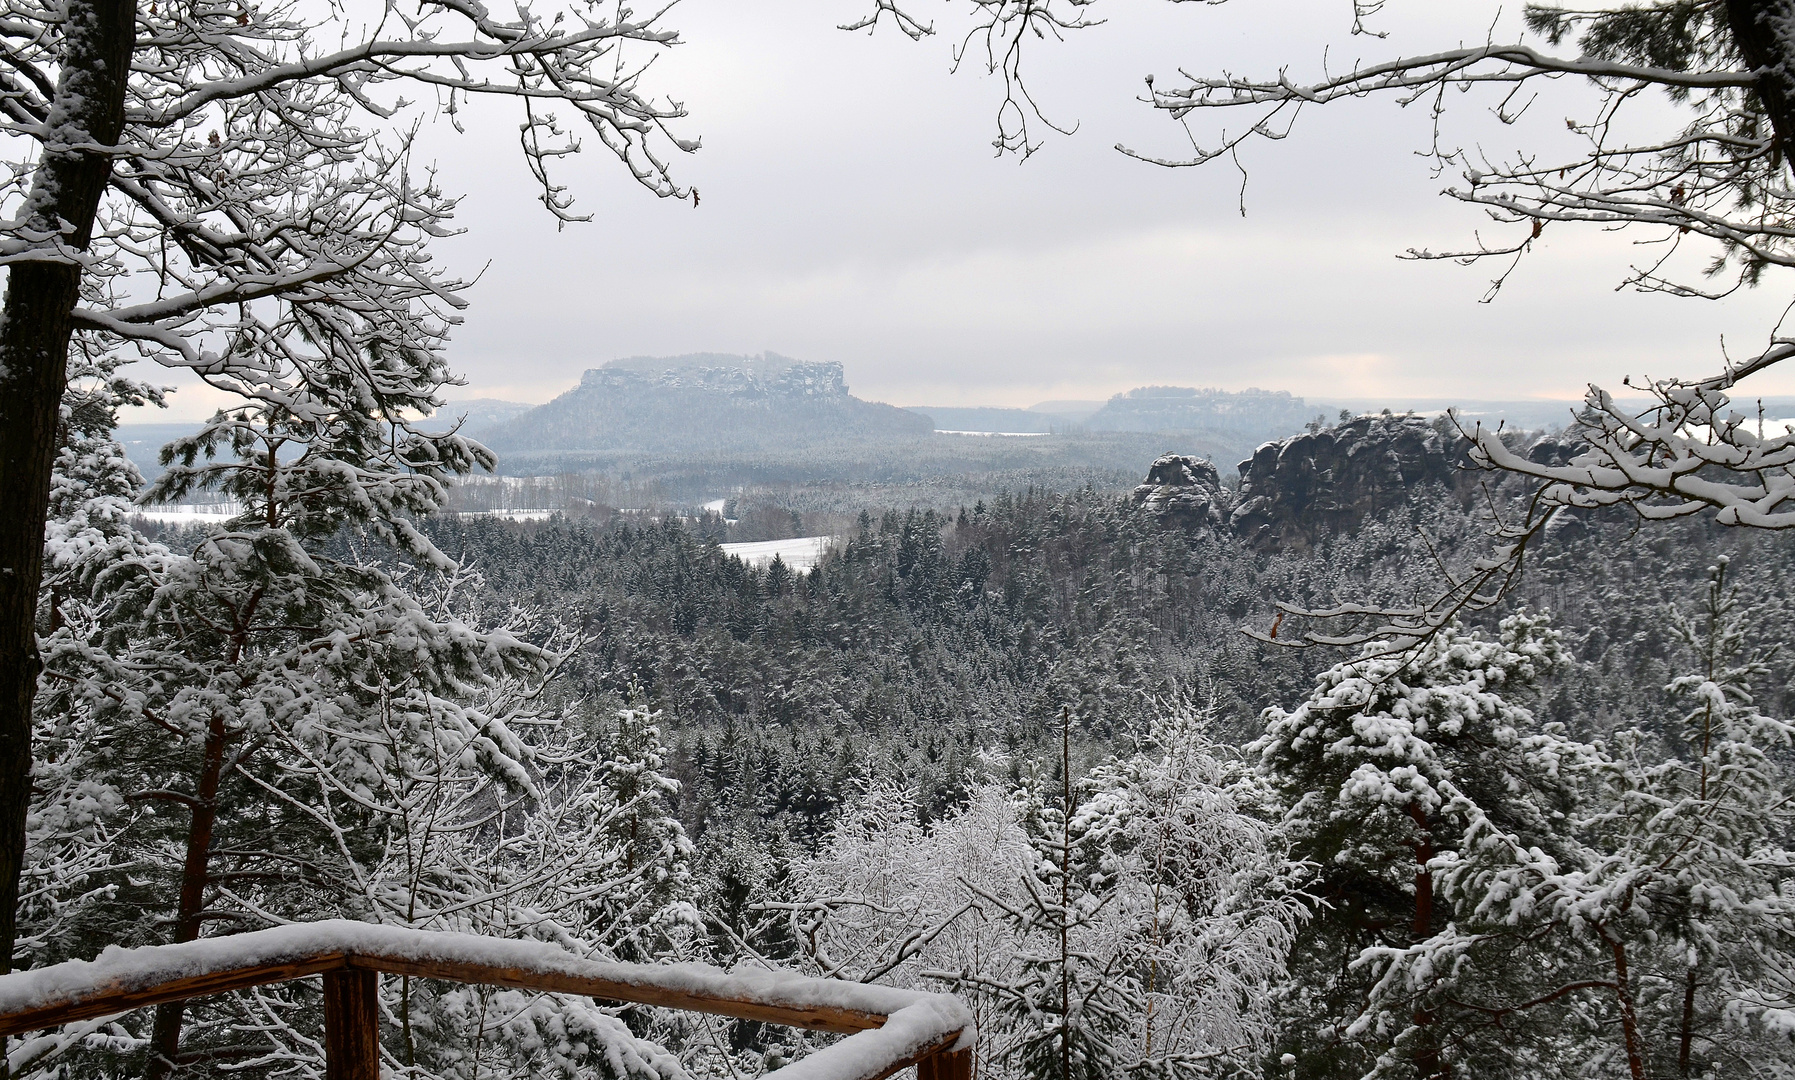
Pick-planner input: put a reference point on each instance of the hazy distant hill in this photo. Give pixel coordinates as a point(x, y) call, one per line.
point(705, 403)
point(143, 443)
point(478, 414)
point(1249, 414)
point(962, 418)
point(1075, 410)
point(1534, 415)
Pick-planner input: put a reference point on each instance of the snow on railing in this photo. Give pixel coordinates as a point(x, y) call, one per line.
point(891, 1029)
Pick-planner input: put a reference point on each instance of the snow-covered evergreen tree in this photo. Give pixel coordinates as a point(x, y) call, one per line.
point(1394, 771)
point(1716, 818)
point(1686, 897)
point(307, 713)
point(554, 850)
point(1075, 993)
point(77, 885)
point(1655, 939)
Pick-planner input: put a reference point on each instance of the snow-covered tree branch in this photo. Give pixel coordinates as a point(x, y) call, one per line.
point(229, 188)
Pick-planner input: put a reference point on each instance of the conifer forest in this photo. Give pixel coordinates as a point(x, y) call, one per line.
point(709, 721)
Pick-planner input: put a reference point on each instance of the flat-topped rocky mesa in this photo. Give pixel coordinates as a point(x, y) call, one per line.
point(767, 375)
point(703, 403)
point(1293, 491)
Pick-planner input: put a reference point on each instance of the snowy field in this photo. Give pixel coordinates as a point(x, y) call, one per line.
point(799, 553)
point(511, 515)
point(188, 515)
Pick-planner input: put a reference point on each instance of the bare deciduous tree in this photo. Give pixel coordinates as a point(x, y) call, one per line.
point(224, 187)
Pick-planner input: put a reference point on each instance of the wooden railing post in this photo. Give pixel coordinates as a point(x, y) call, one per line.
point(352, 1025)
point(352, 956)
point(946, 1065)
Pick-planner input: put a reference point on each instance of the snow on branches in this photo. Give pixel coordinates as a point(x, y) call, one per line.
point(1140, 935)
point(262, 225)
point(272, 723)
point(1502, 899)
point(1721, 175)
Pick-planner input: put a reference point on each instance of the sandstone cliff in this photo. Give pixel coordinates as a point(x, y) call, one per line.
point(1293, 491)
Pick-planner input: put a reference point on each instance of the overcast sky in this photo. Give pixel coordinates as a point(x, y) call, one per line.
point(852, 210)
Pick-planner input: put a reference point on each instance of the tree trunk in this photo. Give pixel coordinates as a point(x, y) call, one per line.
point(165, 1038)
point(88, 108)
point(1629, 1017)
point(1427, 1054)
point(1765, 33)
point(1686, 1042)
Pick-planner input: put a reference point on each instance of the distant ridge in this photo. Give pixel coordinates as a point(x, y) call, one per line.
point(477, 413)
point(703, 403)
point(1251, 414)
point(1246, 415)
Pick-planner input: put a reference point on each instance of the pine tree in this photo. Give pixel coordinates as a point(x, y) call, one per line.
point(1394, 770)
point(1687, 886)
point(295, 729)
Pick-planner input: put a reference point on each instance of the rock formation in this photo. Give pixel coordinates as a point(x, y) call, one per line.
point(1185, 489)
point(1296, 490)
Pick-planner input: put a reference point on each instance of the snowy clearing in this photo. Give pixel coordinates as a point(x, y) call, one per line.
point(799, 553)
point(170, 514)
point(511, 515)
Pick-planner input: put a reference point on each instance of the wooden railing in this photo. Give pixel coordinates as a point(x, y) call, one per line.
point(889, 1029)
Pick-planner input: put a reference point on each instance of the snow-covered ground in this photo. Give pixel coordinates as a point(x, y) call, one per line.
point(799, 553)
point(997, 434)
point(170, 514)
point(512, 515)
point(716, 506)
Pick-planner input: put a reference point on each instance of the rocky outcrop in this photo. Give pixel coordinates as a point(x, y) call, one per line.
point(1296, 490)
point(1185, 489)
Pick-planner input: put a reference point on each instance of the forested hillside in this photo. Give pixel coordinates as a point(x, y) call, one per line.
point(932, 656)
point(890, 766)
point(1194, 738)
point(926, 638)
